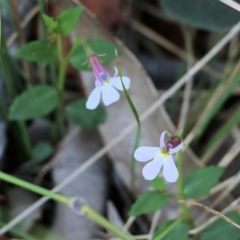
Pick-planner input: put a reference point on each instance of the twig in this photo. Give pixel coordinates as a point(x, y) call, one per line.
point(199, 65)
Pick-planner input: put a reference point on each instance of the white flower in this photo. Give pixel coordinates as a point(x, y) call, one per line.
point(106, 86)
point(161, 157)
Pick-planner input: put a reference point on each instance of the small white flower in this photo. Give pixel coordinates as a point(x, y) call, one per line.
point(105, 85)
point(161, 157)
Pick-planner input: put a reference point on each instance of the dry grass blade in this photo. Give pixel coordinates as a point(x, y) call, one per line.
point(213, 219)
point(215, 98)
point(232, 4)
point(167, 45)
point(218, 214)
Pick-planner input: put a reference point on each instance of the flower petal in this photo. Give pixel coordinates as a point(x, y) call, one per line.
point(143, 154)
point(176, 149)
point(162, 143)
point(170, 171)
point(109, 94)
point(115, 72)
point(152, 169)
point(116, 82)
point(94, 98)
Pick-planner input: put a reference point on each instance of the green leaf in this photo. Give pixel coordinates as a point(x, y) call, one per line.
point(33, 103)
point(50, 23)
point(80, 115)
point(40, 51)
point(42, 151)
point(205, 14)
point(149, 202)
point(159, 184)
point(68, 20)
point(222, 230)
point(199, 182)
point(100, 47)
point(178, 232)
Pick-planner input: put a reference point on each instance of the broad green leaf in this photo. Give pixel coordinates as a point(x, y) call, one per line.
point(199, 182)
point(105, 50)
point(159, 184)
point(33, 103)
point(223, 230)
point(40, 51)
point(42, 151)
point(80, 115)
point(50, 23)
point(68, 20)
point(205, 14)
point(149, 202)
point(178, 232)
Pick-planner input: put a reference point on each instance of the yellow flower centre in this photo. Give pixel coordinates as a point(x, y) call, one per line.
point(107, 81)
point(164, 152)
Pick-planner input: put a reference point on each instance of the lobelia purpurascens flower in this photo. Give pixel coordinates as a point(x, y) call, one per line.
point(161, 157)
point(106, 86)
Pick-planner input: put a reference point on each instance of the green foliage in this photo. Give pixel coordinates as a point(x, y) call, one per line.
point(222, 230)
point(50, 23)
point(178, 232)
point(209, 15)
point(68, 19)
point(64, 23)
point(42, 151)
point(149, 202)
point(80, 115)
point(199, 182)
point(159, 184)
point(33, 103)
point(40, 51)
point(100, 47)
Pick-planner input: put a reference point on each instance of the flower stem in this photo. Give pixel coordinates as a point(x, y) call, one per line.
point(97, 218)
point(185, 210)
point(34, 188)
point(138, 134)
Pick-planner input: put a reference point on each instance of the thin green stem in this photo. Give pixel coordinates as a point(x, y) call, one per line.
point(185, 210)
point(168, 229)
point(97, 218)
point(34, 188)
point(138, 134)
point(19, 233)
point(26, 140)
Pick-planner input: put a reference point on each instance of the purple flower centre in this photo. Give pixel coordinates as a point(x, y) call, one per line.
point(173, 142)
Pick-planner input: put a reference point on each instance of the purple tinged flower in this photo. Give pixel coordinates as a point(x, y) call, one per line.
point(161, 157)
point(106, 86)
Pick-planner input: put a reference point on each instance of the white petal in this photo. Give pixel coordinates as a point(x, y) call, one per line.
point(162, 143)
point(143, 154)
point(170, 171)
point(176, 149)
point(94, 98)
point(115, 72)
point(152, 169)
point(109, 94)
point(116, 82)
